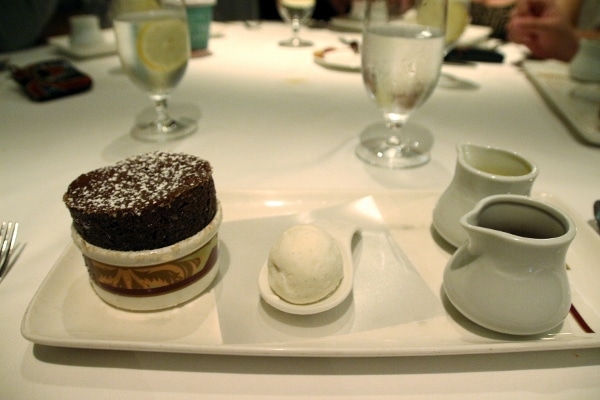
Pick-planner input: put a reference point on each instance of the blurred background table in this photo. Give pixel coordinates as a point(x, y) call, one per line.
point(270, 119)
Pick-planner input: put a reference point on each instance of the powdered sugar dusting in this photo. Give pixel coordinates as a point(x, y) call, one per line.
point(137, 182)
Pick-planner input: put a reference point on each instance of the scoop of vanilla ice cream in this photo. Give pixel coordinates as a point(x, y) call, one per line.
point(305, 264)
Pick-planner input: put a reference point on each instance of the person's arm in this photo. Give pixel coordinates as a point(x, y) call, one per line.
point(340, 6)
point(544, 29)
point(570, 8)
point(588, 19)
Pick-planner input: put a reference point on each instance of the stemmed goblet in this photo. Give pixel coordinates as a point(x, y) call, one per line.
point(153, 44)
point(296, 12)
point(458, 19)
point(402, 52)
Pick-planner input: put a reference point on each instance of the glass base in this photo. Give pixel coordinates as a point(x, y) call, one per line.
point(156, 132)
point(404, 148)
point(295, 42)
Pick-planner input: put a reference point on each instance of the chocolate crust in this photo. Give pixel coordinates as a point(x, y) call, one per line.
point(145, 202)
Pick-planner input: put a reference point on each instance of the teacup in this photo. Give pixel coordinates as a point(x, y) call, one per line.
point(199, 14)
point(481, 171)
point(85, 31)
point(585, 66)
point(357, 9)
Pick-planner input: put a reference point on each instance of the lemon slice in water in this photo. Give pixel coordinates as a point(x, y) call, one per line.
point(162, 44)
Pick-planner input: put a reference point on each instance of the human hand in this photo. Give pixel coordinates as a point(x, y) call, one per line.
point(544, 29)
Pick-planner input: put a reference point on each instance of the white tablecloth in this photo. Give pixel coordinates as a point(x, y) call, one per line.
point(270, 118)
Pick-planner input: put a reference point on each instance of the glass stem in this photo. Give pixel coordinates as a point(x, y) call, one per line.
point(163, 119)
point(395, 125)
point(295, 28)
point(397, 139)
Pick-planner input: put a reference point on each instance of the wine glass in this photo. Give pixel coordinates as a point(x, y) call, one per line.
point(458, 19)
point(297, 12)
point(402, 52)
point(154, 48)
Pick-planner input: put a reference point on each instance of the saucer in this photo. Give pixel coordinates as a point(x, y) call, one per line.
point(338, 58)
point(473, 34)
point(63, 45)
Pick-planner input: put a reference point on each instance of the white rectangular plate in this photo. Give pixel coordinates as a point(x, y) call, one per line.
point(231, 319)
point(552, 80)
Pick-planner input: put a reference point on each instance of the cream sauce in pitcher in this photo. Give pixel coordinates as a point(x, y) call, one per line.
point(480, 171)
point(510, 274)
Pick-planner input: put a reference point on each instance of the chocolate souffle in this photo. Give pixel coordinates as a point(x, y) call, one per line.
point(145, 202)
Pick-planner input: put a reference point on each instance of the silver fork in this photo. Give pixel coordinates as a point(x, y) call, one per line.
point(8, 237)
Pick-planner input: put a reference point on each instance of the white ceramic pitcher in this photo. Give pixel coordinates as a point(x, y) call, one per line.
point(510, 275)
point(480, 171)
point(585, 66)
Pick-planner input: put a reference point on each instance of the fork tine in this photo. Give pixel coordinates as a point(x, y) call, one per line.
point(3, 236)
point(14, 235)
point(8, 235)
point(13, 238)
point(3, 243)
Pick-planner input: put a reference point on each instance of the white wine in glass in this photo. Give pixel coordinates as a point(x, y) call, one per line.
point(401, 62)
point(458, 19)
point(296, 12)
point(154, 48)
